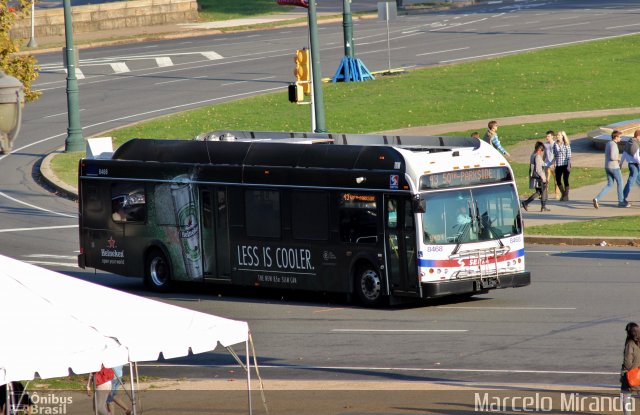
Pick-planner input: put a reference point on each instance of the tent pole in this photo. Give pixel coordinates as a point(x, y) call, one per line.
point(133, 390)
point(95, 395)
point(246, 344)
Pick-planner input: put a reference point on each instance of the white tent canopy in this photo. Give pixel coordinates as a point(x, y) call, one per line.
point(53, 323)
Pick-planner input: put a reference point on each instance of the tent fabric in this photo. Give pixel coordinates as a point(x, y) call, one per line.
point(59, 323)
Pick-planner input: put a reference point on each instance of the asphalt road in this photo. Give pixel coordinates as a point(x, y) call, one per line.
point(567, 328)
point(569, 320)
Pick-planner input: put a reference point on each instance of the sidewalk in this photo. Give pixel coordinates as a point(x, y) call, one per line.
point(177, 30)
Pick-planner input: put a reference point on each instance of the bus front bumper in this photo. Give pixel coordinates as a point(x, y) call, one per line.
point(474, 285)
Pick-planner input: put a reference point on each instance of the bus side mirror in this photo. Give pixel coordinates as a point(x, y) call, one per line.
point(419, 205)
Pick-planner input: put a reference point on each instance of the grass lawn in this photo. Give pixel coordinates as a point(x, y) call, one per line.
point(624, 226)
point(501, 87)
point(233, 9)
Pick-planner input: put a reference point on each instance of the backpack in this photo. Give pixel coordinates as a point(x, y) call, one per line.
point(104, 375)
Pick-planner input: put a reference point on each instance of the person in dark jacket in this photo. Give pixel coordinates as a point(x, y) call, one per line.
point(630, 359)
point(537, 178)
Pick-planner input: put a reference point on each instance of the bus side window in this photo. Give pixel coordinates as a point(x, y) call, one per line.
point(128, 202)
point(358, 219)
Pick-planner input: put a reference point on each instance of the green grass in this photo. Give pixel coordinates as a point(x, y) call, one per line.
point(624, 226)
point(65, 166)
point(514, 85)
point(238, 9)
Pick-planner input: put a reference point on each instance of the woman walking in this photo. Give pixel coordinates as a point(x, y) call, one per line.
point(630, 359)
point(537, 178)
point(562, 155)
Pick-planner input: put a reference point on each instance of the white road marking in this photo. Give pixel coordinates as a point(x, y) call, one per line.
point(29, 204)
point(59, 114)
point(539, 47)
point(212, 55)
point(248, 80)
point(79, 73)
point(563, 26)
point(180, 80)
point(613, 253)
point(441, 51)
point(41, 228)
point(119, 67)
point(164, 61)
point(618, 27)
point(49, 256)
point(400, 369)
point(380, 50)
point(395, 331)
point(505, 308)
point(57, 264)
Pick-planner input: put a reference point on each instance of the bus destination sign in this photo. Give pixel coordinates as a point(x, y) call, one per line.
point(466, 177)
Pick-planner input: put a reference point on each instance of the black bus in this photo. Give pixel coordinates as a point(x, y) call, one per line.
point(385, 218)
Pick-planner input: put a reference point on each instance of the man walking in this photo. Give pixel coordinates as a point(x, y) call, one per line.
point(612, 169)
point(491, 137)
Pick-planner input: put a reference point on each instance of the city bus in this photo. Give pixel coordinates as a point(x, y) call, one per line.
point(384, 219)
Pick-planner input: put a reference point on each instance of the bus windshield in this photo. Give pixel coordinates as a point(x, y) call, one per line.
point(471, 215)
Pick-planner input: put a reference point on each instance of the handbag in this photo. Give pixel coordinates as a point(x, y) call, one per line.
point(104, 375)
point(633, 377)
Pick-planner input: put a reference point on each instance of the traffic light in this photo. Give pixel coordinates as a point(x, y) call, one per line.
point(302, 71)
point(296, 93)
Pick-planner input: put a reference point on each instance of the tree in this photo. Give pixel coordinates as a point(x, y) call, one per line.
point(23, 67)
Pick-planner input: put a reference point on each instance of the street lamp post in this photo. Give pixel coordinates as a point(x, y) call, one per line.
point(316, 77)
point(32, 42)
point(11, 101)
point(74, 140)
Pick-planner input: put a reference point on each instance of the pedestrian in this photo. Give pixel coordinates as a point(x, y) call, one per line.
point(631, 155)
point(550, 160)
point(491, 137)
point(112, 398)
point(537, 178)
point(475, 134)
point(630, 360)
point(612, 170)
point(101, 381)
point(562, 154)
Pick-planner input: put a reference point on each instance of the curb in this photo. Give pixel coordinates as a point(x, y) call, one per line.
point(60, 187)
point(581, 240)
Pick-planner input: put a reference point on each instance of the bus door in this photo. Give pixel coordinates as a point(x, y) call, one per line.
point(400, 234)
point(215, 235)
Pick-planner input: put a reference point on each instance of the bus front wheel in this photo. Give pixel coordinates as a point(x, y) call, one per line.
point(157, 272)
point(368, 286)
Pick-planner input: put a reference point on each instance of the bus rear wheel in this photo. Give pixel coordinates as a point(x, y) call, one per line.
point(157, 272)
point(368, 286)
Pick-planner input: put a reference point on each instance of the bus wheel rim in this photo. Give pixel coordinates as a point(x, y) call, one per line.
point(157, 272)
point(370, 285)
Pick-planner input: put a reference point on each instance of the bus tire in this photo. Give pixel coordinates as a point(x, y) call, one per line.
point(157, 276)
point(368, 286)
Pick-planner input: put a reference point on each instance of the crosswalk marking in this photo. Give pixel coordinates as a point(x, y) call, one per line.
point(119, 67)
point(211, 55)
point(164, 61)
point(79, 74)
